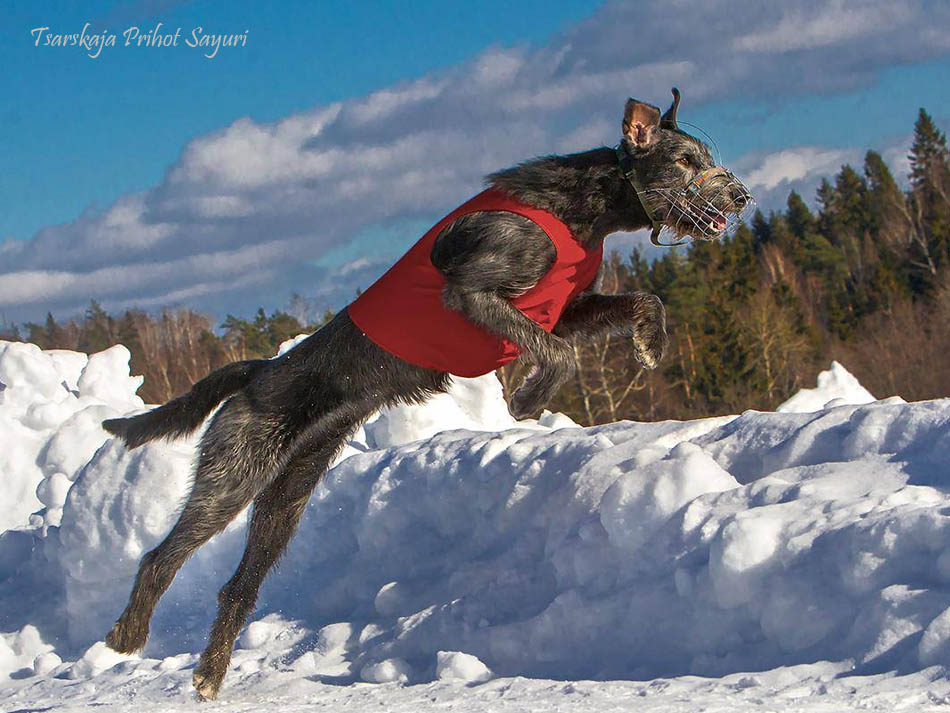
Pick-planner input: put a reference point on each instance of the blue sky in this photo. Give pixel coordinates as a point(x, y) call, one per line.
point(86, 130)
point(310, 158)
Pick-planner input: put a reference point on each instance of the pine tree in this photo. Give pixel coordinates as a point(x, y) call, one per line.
point(885, 197)
point(928, 153)
point(98, 330)
point(800, 219)
point(891, 229)
point(261, 337)
point(48, 335)
point(825, 194)
point(127, 333)
point(784, 239)
point(56, 336)
point(760, 230)
point(851, 217)
point(281, 327)
point(36, 334)
point(930, 202)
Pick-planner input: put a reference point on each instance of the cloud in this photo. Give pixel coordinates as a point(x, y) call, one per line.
point(257, 205)
point(771, 176)
point(806, 29)
point(795, 164)
point(38, 286)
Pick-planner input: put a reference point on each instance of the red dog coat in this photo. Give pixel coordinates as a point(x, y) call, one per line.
point(403, 312)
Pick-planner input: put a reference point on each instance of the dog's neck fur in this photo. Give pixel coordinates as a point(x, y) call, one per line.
point(585, 190)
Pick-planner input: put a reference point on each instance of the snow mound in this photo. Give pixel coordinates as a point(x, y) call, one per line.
point(451, 542)
point(51, 404)
point(836, 387)
point(457, 666)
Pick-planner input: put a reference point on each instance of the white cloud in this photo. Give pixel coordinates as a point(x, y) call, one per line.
point(354, 265)
point(795, 164)
point(497, 67)
point(187, 295)
point(592, 133)
point(39, 286)
point(247, 155)
point(381, 104)
point(808, 28)
point(222, 207)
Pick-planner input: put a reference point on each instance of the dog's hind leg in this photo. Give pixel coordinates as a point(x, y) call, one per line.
point(238, 457)
point(277, 511)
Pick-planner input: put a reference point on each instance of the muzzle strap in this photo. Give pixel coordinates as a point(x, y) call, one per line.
point(708, 220)
point(630, 173)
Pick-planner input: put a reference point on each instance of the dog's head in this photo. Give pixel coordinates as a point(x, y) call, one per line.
point(678, 182)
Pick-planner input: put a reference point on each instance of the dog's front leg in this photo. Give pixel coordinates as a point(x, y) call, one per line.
point(552, 356)
point(487, 259)
point(638, 315)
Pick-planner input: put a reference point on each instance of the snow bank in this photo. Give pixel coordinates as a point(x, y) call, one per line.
point(836, 387)
point(51, 404)
point(451, 542)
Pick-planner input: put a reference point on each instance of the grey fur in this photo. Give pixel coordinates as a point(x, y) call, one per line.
point(284, 420)
point(185, 414)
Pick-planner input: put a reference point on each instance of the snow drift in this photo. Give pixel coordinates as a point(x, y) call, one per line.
point(836, 387)
point(452, 542)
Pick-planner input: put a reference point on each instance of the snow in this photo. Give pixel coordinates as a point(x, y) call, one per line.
point(458, 666)
point(51, 404)
point(386, 671)
point(836, 387)
point(798, 559)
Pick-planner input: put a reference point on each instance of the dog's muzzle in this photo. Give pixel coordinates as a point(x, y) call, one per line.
point(691, 211)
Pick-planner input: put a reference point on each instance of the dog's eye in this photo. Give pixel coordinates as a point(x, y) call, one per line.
point(684, 162)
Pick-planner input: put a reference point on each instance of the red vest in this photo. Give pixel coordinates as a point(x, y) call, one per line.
point(403, 312)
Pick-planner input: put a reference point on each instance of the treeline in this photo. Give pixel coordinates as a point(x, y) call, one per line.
point(752, 318)
point(172, 349)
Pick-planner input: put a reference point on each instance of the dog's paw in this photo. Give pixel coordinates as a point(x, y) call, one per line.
point(537, 389)
point(208, 677)
point(650, 339)
point(524, 403)
point(649, 355)
point(529, 397)
point(127, 636)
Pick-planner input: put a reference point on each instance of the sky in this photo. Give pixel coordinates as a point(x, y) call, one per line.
point(309, 157)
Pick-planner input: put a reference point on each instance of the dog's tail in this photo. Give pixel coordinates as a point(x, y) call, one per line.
point(184, 414)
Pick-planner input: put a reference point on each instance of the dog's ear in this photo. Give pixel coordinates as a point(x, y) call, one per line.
point(640, 123)
point(669, 118)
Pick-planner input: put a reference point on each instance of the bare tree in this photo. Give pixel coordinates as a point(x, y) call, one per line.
point(776, 348)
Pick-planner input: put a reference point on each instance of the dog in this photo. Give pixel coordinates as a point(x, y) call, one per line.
point(284, 420)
